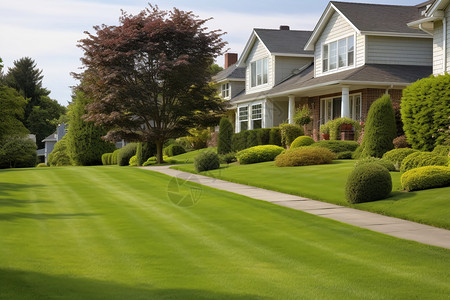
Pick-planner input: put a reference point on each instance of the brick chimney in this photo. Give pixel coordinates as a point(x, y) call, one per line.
point(230, 59)
point(284, 27)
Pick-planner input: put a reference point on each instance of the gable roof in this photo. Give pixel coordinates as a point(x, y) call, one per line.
point(371, 19)
point(278, 42)
point(233, 72)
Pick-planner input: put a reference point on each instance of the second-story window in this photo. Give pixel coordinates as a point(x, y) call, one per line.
point(259, 71)
point(225, 90)
point(338, 54)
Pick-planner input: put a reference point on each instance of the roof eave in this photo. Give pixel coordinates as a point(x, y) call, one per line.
point(397, 34)
point(294, 55)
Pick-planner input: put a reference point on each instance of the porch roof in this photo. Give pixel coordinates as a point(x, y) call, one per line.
point(367, 75)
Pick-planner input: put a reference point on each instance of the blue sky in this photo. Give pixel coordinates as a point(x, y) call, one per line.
point(48, 30)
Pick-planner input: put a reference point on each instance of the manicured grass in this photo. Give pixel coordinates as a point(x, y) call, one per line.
point(111, 233)
point(327, 183)
point(188, 157)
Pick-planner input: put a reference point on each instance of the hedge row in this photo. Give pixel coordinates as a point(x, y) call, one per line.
point(258, 154)
point(422, 159)
point(256, 137)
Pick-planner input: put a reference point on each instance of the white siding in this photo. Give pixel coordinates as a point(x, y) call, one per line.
point(438, 53)
point(258, 52)
point(336, 28)
point(285, 66)
point(399, 51)
point(360, 50)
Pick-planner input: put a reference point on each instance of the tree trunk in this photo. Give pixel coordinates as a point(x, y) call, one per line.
point(159, 152)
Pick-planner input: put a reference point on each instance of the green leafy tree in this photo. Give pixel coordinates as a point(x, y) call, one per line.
point(425, 110)
point(12, 106)
point(17, 152)
point(224, 145)
point(60, 154)
point(84, 139)
point(150, 76)
point(380, 129)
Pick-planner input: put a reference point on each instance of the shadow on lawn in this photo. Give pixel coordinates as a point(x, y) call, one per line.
point(20, 215)
point(32, 285)
point(400, 195)
point(7, 188)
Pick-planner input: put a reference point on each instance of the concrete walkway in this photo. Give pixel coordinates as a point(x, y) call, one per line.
point(388, 225)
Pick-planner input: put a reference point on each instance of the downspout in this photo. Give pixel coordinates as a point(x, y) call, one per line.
point(444, 43)
point(388, 88)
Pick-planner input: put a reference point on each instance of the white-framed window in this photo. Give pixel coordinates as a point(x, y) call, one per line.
point(338, 54)
point(256, 116)
point(330, 109)
point(355, 107)
point(259, 72)
point(243, 118)
point(226, 90)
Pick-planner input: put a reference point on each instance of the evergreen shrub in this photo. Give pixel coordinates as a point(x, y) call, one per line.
point(396, 156)
point(275, 136)
point(173, 150)
point(252, 139)
point(302, 141)
point(442, 150)
point(258, 154)
point(289, 132)
point(382, 162)
point(305, 156)
point(125, 153)
point(422, 159)
point(224, 145)
point(206, 160)
point(337, 146)
point(426, 178)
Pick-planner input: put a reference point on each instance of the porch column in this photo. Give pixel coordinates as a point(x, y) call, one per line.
point(291, 110)
point(345, 104)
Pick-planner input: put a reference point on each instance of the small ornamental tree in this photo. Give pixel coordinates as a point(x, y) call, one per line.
point(150, 76)
point(425, 110)
point(380, 129)
point(225, 136)
point(17, 152)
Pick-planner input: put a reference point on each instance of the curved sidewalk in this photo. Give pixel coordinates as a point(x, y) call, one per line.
point(388, 225)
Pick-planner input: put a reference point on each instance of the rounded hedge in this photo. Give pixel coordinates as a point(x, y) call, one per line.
point(382, 162)
point(423, 159)
point(125, 153)
point(206, 160)
point(289, 132)
point(396, 156)
point(368, 182)
point(425, 178)
point(302, 141)
point(442, 150)
point(305, 156)
point(174, 150)
point(258, 154)
point(337, 146)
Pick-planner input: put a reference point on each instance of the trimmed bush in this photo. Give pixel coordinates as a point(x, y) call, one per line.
point(252, 139)
point(305, 156)
point(224, 145)
point(228, 158)
point(206, 160)
point(258, 154)
point(423, 159)
point(442, 150)
point(60, 155)
point(401, 142)
point(107, 159)
point(334, 127)
point(382, 162)
point(425, 109)
point(152, 161)
point(139, 155)
point(344, 155)
point(173, 150)
point(337, 146)
point(114, 157)
point(380, 128)
point(275, 136)
point(133, 161)
point(125, 153)
point(426, 178)
point(302, 141)
point(368, 182)
point(42, 165)
point(396, 156)
point(263, 136)
point(239, 141)
point(289, 133)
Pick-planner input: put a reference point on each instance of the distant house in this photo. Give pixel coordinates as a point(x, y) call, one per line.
point(355, 54)
point(50, 142)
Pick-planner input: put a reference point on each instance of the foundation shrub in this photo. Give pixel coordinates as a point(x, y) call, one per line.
point(302, 141)
point(337, 146)
point(289, 133)
point(396, 156)
point(275, 136)
point(305, 156)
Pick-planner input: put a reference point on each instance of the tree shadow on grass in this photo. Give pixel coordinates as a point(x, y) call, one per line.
point(33, 285)
point(41, 216)
point(6, 190)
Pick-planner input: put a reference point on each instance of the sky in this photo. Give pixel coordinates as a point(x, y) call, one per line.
point(48, 30)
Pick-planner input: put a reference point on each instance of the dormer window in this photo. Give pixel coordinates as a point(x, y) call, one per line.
point(259, 71)
point(226, 90)
point(338, 54)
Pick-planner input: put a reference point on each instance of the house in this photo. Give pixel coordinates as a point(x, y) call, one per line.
point(50, 142)
point(356, 53)
point(435, 20)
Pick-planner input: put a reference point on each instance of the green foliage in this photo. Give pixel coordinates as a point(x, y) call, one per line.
point(289, 133)
point(17, 152)
point(108, 159)
point(425, 109)
point(337, 146)
point(198, 138)
point(12, 107)
point(422, 159)
point(139, 155)
point(275, 136)
point(396, 156)
point(325, 128)
point(148, 150)
point(305, 156)
point(344, 155)
point(228, 158)
point(224, 145)
point(380, 128)
point(302, 141)
point(60, 154)
point(173, 150)
point(84, 139)
point(239, 141)
point(252, 139)
point(426, 178)
point(42, 165)
point(442, 150)
point(382, 162)
point(263, 136)
point(115, 156)
point(206, 160)
point(258, 154)
point(303, 116)
point(125, 153)
point(368, 182)
point(401, 142)
point(133, 161)
point(334, 128)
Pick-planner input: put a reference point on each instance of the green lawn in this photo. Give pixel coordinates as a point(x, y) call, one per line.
point(112, 233)
point(327, 183)
point(188, 157)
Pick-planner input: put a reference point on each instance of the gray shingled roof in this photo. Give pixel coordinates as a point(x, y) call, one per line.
point(232, 72)
point(389, 74)
point(379, 17)
point(284, 41)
